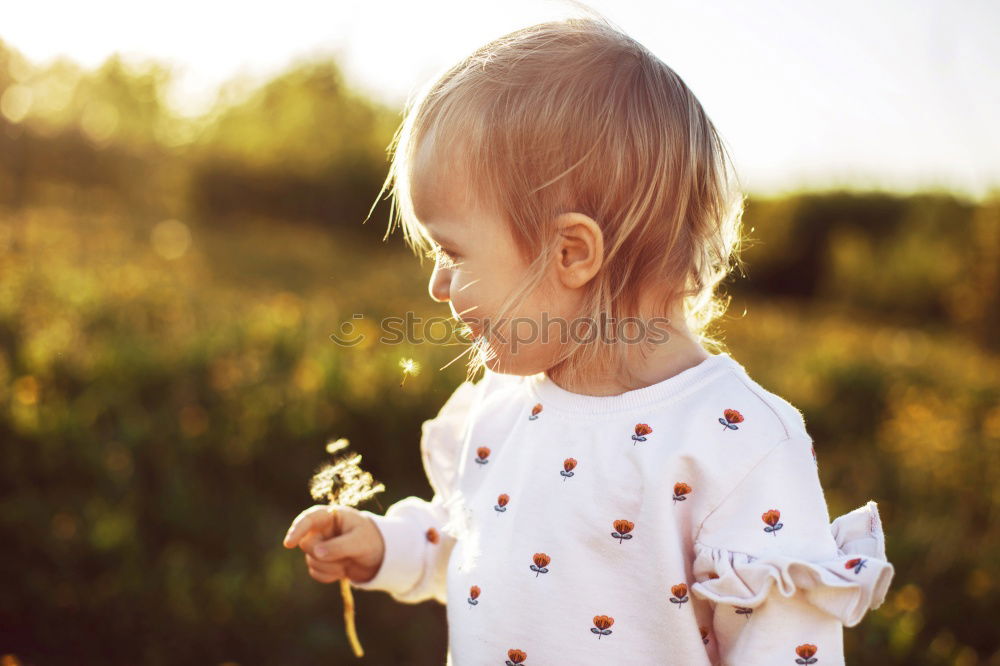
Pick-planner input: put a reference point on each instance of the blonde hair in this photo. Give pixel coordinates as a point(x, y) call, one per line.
point(575, 115)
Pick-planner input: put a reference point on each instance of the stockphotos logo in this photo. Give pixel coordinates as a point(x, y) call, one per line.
point(412, 329)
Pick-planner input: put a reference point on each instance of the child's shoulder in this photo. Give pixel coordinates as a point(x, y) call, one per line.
point(775, 418)
point(733, 404)
point(499, 387)
point(725, 428)
point(472, 396)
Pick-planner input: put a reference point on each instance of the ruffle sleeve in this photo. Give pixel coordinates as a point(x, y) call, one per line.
point(845, 586)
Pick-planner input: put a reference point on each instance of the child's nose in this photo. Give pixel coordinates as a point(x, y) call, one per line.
point(440, 285)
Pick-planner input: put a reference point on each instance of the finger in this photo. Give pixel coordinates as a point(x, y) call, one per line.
point(325, 577)
point(309, 541)
point(315, 517)
point(310, 519)
point(328, 568)
point(300, 526)
point(338, 548)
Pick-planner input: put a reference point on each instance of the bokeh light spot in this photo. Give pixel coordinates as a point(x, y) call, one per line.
point(171, 239)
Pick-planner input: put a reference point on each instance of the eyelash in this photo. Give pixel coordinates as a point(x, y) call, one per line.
point(439, 255)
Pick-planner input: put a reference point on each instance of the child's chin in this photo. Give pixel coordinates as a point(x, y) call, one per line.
point(498, 364)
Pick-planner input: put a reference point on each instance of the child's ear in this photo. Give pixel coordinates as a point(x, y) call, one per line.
point(579, 250)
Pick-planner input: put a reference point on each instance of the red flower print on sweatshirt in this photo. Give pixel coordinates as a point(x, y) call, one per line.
point(641, 430)
point(806, 652)
point(541, 561)
point(680, 595)
point(474, 595)
point(857, 563)
point(680, 490)
point(432, 535)
point(771, 517)
point(730, 417)
point(501, 505)
point(602, 625)
point(622, 529)
point(535, 411)
point(515, 657)
point(483, 453)
point(704, 635)
point(568, 466)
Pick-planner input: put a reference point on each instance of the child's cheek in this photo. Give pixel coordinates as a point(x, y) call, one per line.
point(464, 301)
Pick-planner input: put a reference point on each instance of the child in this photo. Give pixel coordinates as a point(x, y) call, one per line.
point(611, 494)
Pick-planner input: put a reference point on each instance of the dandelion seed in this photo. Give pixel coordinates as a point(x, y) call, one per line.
point(410, 367)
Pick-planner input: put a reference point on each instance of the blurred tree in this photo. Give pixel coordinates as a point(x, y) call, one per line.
point(303, 146)
point(93, 132)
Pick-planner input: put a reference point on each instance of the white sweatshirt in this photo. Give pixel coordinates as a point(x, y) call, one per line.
point(680, 523)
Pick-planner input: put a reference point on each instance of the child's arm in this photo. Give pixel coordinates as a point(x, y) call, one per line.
point(416, 551)
point(784, 581)
point(417, 542)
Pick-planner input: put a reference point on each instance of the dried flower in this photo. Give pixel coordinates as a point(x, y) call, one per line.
point(344, 483)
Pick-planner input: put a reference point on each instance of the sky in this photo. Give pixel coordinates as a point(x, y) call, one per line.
point(894, 94)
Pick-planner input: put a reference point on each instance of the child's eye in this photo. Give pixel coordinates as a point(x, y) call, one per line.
point(444, 259)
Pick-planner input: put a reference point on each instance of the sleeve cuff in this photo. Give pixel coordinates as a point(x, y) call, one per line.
point(402, 562)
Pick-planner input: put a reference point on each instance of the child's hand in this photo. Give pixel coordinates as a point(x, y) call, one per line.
point(339, 542)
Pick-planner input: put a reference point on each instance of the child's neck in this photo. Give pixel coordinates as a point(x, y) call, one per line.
point(663, 362)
